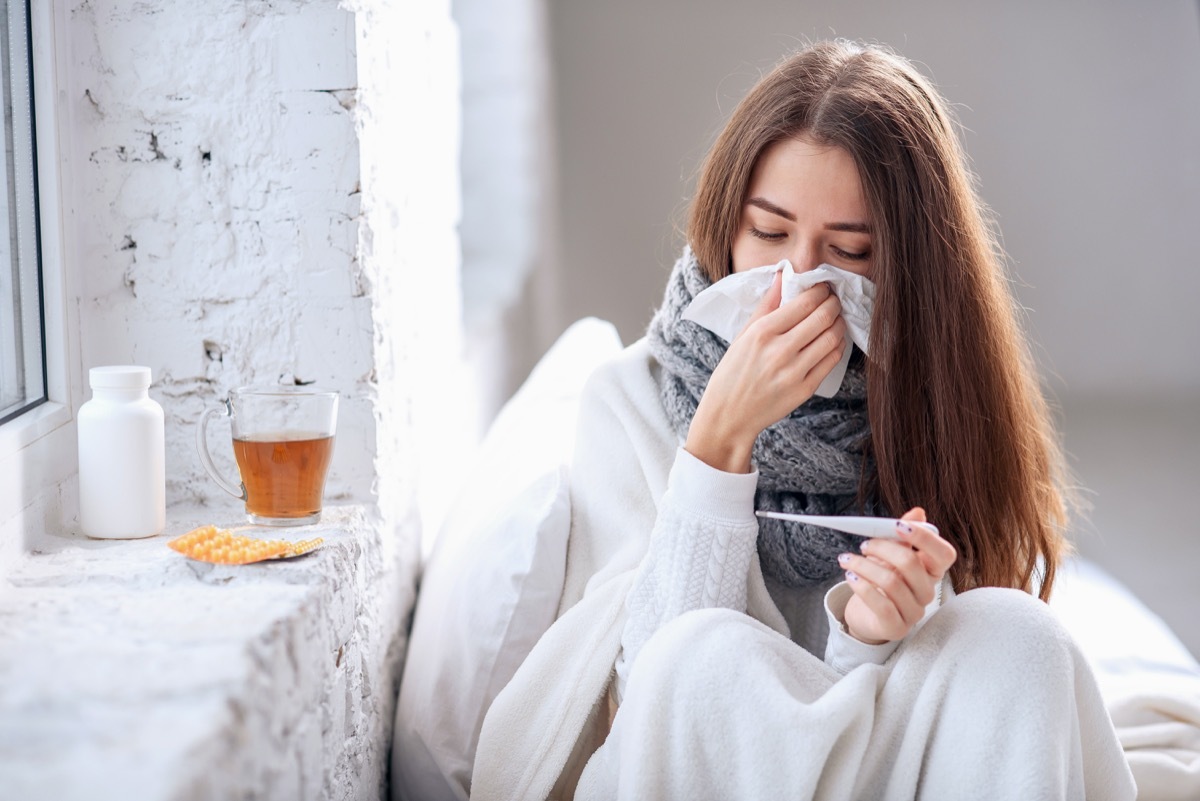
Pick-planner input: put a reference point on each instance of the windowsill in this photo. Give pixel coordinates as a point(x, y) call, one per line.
point(132, 668)
point(31, 426)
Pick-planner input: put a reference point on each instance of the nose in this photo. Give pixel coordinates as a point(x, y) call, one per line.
point(805, 256)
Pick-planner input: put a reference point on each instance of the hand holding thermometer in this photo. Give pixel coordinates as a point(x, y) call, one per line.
point(879, 527)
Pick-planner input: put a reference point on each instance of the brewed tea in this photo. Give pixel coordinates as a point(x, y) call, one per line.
point(284, 477)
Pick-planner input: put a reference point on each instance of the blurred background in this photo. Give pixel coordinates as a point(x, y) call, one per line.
point(584, 124)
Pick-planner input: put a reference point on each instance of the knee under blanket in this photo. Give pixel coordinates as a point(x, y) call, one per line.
point(990, 699)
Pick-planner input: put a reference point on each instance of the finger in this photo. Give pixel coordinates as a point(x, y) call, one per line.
point(813, 377)
point(889, 582)
point(770, 301)
point(807, 344)
point(796, 310)
point(800, 366)
point(830, 339)
point(822, 321)
point(886, 581)
point(890, 623)
point(930, 564)
point(912, 566)
point(937, 549)
point(811, 357)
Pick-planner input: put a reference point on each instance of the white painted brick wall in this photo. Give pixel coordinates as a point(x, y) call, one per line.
point(409, 138)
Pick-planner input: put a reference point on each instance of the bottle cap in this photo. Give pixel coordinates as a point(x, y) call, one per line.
point(125, 376)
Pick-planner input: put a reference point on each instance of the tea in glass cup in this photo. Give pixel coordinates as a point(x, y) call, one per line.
point(283, 443)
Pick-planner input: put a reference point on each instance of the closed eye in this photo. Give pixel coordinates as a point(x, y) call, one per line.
point(764, 235)
point(850, 256)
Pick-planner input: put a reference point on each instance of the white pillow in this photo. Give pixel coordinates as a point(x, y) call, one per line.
point(492, 584)
point(1128, 646)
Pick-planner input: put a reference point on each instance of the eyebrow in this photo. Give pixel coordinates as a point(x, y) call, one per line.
point(852, 227)
point(766, 205)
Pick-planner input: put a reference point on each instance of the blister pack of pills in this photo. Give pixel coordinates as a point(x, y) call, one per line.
point(221, 546)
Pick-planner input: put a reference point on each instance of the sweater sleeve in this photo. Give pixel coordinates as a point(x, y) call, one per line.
point(843, 652)
point(699, 553)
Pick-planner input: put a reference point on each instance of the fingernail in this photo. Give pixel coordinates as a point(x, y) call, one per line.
point(864, 545)
point(843, 558)
point(851, 575)
point(903, 528)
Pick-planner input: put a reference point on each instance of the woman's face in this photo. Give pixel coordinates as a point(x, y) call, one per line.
point(804, 204)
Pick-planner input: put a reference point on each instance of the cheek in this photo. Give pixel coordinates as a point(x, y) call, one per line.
point(750, 252)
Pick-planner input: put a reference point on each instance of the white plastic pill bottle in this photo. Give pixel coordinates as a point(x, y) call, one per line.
point(122, 461)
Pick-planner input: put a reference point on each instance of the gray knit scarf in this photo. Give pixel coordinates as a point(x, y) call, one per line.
point(809, 463)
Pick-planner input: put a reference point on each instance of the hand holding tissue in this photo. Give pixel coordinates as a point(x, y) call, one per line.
point(726, 306)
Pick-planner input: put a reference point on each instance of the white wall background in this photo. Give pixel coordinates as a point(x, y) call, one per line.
point(512, 304)
point(1082, 118)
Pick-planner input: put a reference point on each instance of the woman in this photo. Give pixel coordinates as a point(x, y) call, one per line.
point(701, 652)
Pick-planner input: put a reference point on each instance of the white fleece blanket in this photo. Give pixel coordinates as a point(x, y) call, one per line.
point(1149, 681)
point(720, 706)
point(529, 737)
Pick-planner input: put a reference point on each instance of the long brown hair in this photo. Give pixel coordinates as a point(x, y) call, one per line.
point(958, 421)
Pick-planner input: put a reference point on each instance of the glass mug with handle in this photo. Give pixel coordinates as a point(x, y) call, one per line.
point(283, 442)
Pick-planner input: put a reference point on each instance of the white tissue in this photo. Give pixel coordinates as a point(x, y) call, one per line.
point(726, 306)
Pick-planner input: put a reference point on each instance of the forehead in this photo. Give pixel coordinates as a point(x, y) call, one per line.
point(806, 179)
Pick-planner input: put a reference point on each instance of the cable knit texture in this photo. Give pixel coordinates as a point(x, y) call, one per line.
point(699, 556)
point(810, 462)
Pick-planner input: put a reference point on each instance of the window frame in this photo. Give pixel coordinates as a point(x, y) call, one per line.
point(30, 356)
point(37, 448)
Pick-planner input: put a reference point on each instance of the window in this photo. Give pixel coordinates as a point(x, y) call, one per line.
point(23, 383)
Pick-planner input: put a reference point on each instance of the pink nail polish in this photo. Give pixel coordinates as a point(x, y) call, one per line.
point(843, 558)
point(851, 576)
